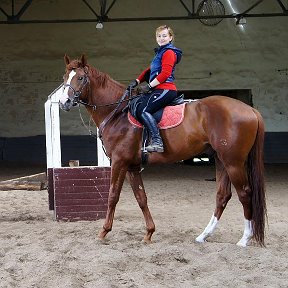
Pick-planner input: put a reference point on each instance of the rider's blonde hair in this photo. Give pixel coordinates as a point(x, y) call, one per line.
point(170, 31)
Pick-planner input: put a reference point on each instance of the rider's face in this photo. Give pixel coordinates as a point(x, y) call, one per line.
point(163, 37)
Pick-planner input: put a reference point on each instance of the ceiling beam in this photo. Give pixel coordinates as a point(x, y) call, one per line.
point(252, 7)
point(235, 16)
point(12, 18)
point(284, 9)
point(102, 16)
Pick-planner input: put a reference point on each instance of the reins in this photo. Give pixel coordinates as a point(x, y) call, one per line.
point(91, 133)
point(94, 107)
point(76, 100)
point(108, 118)
point(113, 113)
point(122, 100)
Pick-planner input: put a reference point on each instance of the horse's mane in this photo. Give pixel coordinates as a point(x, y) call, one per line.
point(102, 78)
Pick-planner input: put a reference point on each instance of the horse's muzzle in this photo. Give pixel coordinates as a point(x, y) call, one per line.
point(66, 106)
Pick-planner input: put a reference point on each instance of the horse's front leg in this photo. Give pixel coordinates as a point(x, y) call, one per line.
point(136, 183)
point(118, 172)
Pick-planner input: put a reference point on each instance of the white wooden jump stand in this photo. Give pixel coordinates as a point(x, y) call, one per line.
point(75, 193)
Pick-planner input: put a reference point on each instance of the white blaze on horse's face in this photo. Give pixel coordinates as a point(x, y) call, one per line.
point(63, 99)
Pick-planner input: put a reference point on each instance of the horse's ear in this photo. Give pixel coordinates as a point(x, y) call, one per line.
point(66, 59)
point(83, 60)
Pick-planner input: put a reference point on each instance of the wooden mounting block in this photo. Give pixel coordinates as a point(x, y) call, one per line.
point(79, 193)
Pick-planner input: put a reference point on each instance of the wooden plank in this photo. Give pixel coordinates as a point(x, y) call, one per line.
point(88, 196)
point(81, 183)
point(50, 188)
point(32, 182)
point(81, 173)
point(22, 185)
point(85, 169)
point(79, 196)
point(89, 192)
point(35, 177)
point(81, 202)
point(78, 216)
point(82, 208)
point(83, 189)
point(71, 176)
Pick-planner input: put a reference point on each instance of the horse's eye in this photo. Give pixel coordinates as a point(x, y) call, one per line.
point(80, 78)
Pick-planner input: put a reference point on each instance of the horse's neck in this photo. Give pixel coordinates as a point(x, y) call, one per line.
point(102, 95)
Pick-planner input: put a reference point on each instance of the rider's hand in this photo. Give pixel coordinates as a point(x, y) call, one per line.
point(132, 84)
point(144, 88)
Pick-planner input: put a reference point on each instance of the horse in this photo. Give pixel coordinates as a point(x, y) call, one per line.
point(231, 129)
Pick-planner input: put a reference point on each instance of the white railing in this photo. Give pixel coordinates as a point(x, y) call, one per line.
point(52, 128)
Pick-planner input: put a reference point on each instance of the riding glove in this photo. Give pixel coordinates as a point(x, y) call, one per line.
point(144, 88)
point(132, 84)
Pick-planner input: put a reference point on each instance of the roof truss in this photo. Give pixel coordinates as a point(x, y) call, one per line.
point(15, 17)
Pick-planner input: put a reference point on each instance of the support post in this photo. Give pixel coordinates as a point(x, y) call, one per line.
point(52, 127)
point(103, 160)
point(53, 144)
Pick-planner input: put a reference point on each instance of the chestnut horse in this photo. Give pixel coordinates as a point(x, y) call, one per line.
point(231, 129)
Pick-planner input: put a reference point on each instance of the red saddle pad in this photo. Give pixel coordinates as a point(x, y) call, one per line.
point(172, 117)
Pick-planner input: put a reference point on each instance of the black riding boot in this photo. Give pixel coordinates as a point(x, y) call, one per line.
point(150, 123)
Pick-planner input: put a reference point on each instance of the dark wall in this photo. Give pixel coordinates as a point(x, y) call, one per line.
point(275, 148)
point(84, 148)
point(33, 149)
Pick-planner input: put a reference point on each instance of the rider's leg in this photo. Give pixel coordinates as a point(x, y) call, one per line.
point(153, 102)
point(156, 143)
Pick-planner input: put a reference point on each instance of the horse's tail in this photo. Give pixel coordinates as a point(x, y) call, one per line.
point(255, 170)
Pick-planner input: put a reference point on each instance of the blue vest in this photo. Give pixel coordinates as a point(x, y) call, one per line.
point(155, 66)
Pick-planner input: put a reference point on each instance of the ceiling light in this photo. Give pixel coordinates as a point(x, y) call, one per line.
point(99, 25)
point(241, 21)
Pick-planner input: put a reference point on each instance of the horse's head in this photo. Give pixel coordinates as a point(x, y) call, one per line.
point(76, 82)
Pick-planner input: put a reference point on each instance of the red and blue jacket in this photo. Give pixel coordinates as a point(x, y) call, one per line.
point(162, 67)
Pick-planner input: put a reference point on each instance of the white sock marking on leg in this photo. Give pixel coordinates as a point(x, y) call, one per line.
point(247, 235)
point(208, 231)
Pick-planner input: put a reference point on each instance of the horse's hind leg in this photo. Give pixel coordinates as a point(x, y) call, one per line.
point(118, 172)
point(238, 176)
point(223, 196)
point(136, 183)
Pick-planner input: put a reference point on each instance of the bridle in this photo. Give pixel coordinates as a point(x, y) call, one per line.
point(75, 99)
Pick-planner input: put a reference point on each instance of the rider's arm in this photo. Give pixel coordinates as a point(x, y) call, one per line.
point(143, 76)
point(168, 61)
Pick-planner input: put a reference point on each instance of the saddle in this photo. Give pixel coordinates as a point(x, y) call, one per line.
point(167, 117)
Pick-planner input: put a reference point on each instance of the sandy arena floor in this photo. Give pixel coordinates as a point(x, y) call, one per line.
point(36, 251)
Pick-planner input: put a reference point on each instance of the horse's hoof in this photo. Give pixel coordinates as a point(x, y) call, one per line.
point(146, 241)
point(102, 234)
point(244, 241)
point(200, 240)
point(241, 244)
point(103, 241)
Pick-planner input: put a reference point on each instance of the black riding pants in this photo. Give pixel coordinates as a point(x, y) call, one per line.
point(155, 100)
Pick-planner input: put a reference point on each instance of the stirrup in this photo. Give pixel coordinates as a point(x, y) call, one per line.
point(155, 148)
